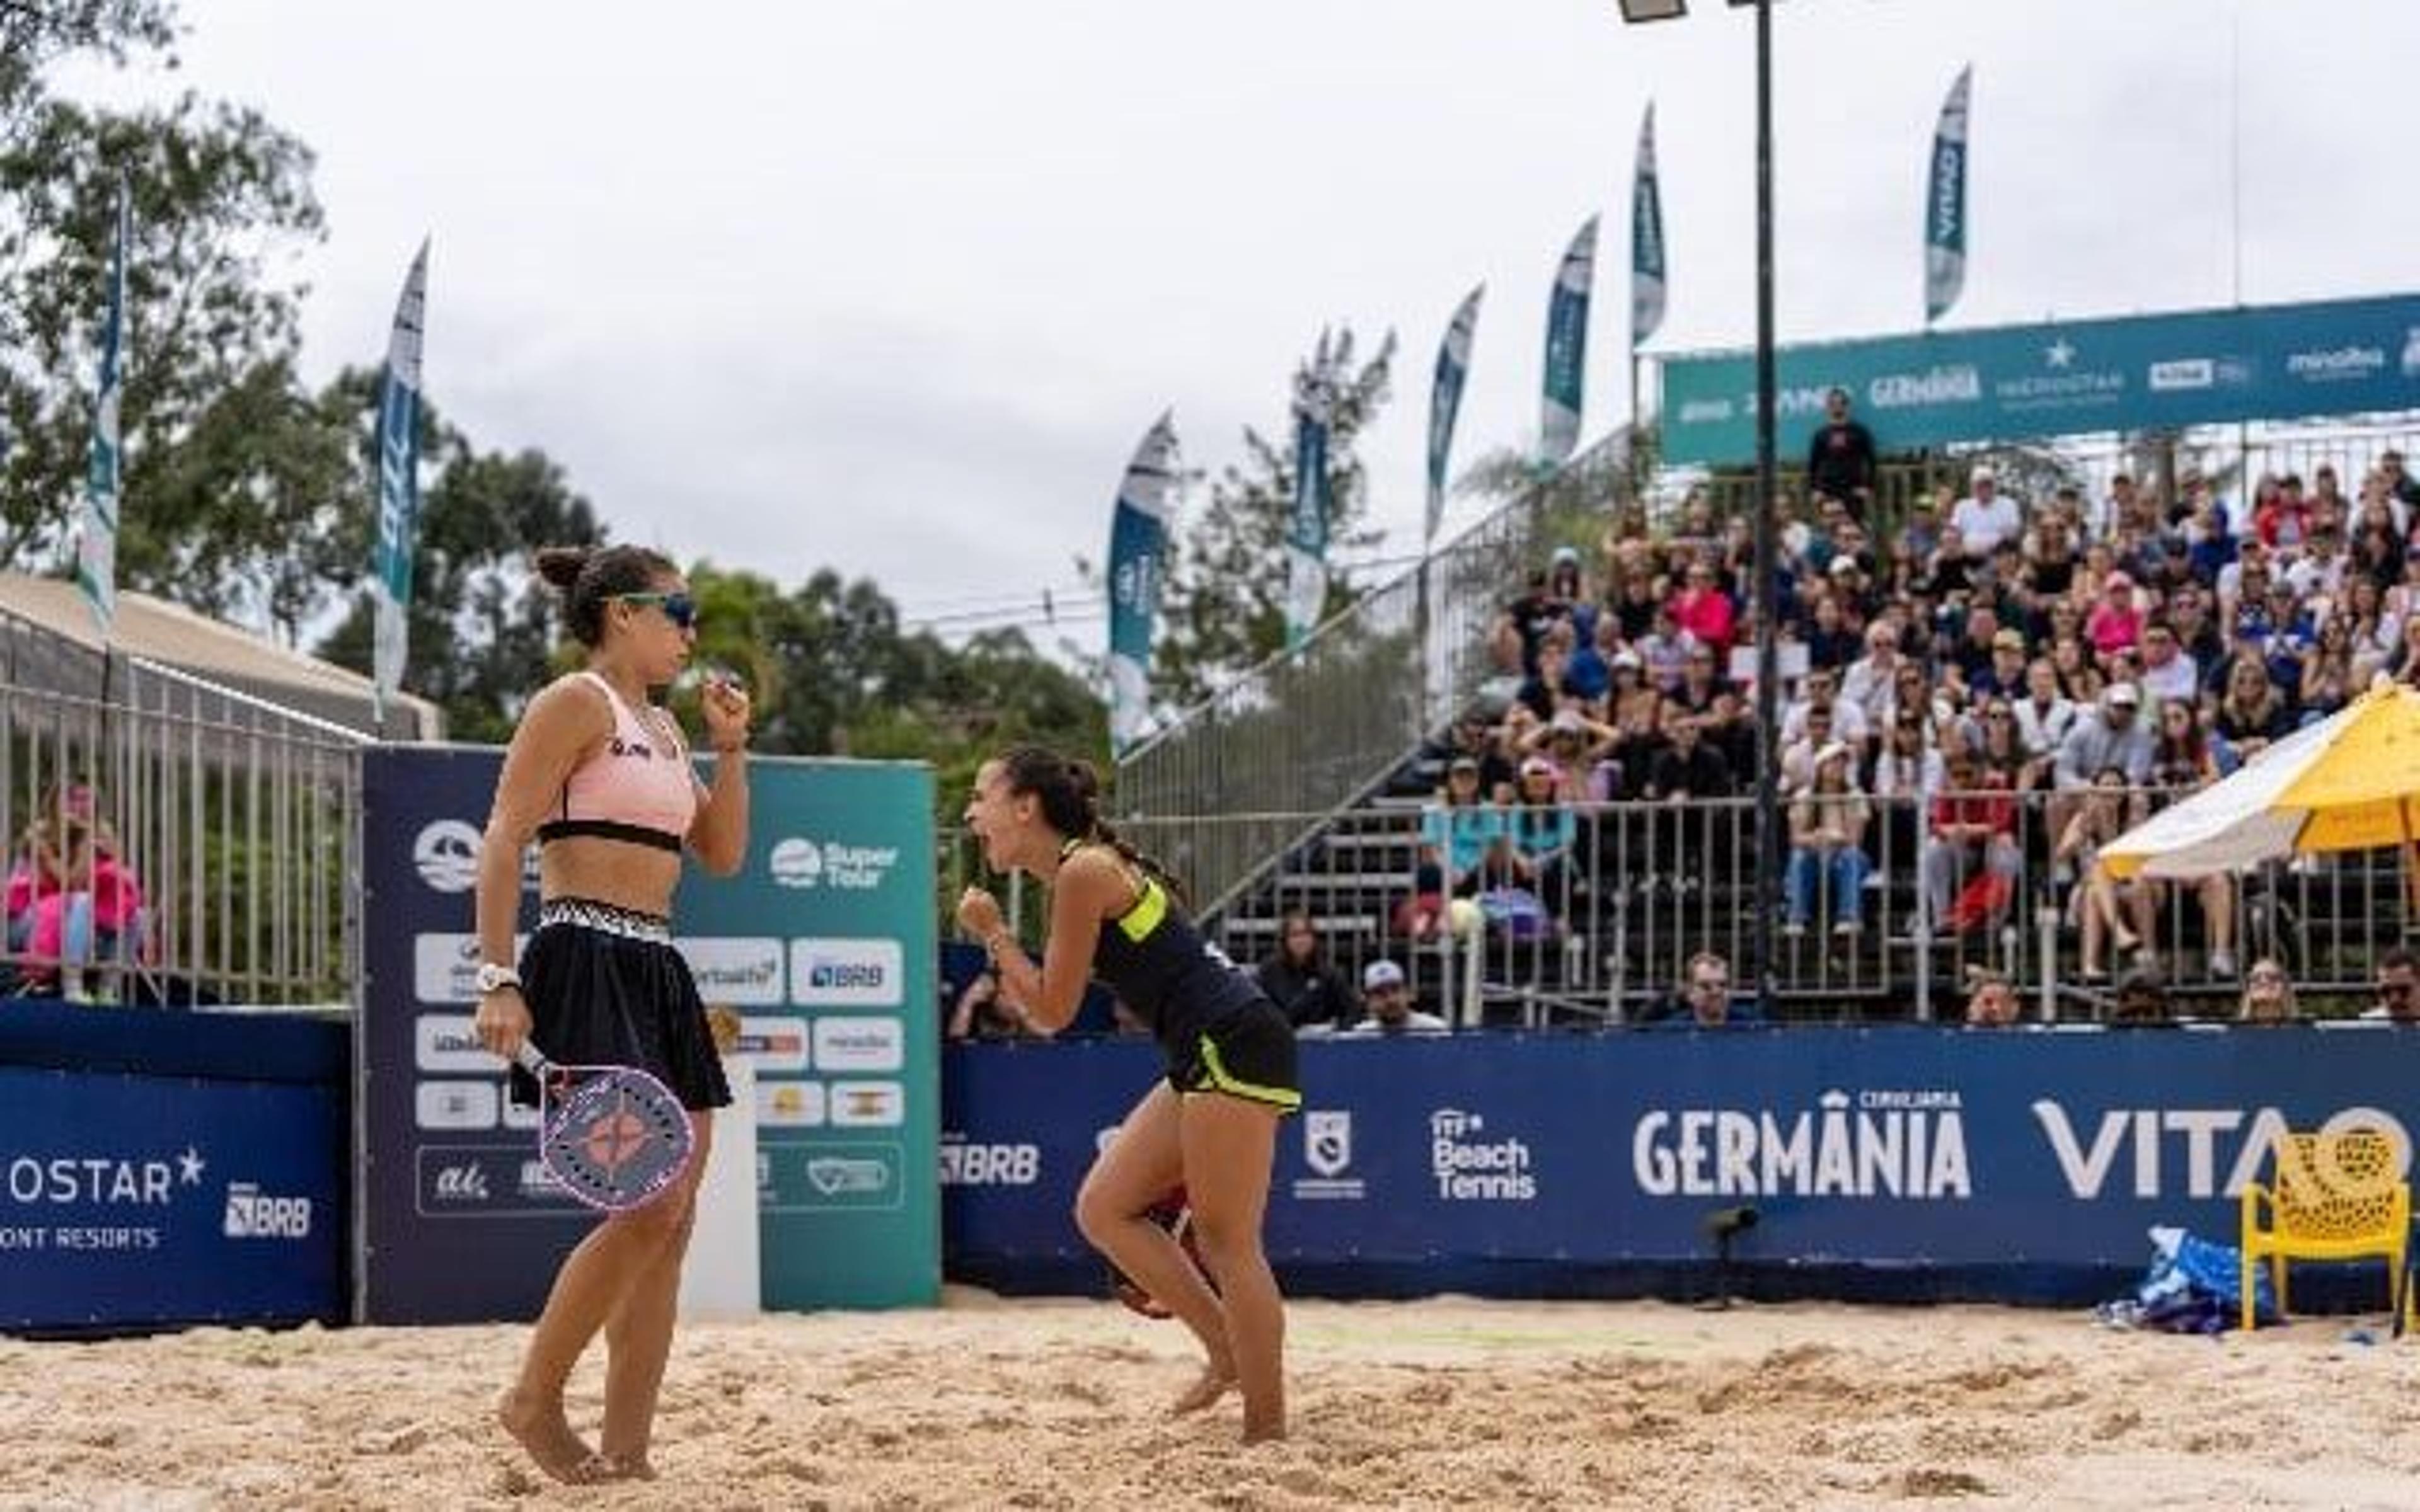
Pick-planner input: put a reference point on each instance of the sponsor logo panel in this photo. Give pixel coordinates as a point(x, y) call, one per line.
point(846, 973)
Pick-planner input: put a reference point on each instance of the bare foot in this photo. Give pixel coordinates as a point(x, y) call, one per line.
point(601, 1466)
point(1215, 1380)
point(541, 1428)
point(1264, 1432)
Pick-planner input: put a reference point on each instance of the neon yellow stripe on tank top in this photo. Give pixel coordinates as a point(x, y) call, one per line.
point(1151, 900)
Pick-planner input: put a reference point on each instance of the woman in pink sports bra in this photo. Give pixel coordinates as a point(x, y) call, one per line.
point(600, 776)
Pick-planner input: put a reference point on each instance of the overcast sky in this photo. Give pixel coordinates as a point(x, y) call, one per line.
point(896, 286)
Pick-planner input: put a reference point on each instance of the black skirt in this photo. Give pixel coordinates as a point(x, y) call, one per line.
point(606, 987)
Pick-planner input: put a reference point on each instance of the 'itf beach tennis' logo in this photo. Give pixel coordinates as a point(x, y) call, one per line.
point(447, 856)
point(1469, 1168)
point(1328, 1150)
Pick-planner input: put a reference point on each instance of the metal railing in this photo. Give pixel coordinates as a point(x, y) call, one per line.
point(1639, 889)
point(2239, 455)
point(237, 823)
point(1313, 730)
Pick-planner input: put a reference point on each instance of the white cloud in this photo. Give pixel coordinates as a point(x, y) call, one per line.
point(894, 287)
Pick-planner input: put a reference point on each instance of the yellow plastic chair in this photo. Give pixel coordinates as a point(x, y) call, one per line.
point(2333, 1196)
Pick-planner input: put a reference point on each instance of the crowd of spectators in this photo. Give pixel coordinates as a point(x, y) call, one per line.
point(1992, 687)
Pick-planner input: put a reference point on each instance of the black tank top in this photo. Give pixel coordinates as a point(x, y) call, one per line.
point(1154, 960)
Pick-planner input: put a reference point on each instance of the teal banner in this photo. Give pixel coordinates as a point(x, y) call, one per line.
point(822, 944)
point(847, 1050)
point(2285, 362)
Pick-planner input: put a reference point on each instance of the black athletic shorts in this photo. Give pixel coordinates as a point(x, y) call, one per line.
point(1248, 1054)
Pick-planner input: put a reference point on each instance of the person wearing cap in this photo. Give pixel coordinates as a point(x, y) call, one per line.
point(1985, 516)
point(1827, 857)
point(1567, 748)
point(2115, 622)
point(1388, 1005)
point(1539, 829)
point(2113, 735)
point(1457, 831)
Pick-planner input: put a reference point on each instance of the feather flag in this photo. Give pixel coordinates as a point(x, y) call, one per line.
point(1645, 239)
point(1138, 545)
point(398, 483)
point(1945, 205)
point(1306, 591)
point(1445, 398)
point(97, 541)
point(1567, 314)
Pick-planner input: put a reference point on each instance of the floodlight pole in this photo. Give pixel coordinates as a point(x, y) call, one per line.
point(1764, 592)
point(1768, 597)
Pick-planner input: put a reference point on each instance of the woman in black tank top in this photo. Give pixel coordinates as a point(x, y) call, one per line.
point(1210, 1125)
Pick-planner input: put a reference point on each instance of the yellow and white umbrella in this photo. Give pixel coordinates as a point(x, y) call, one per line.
point(2351, 783)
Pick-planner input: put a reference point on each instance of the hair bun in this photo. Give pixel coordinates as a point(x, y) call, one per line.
point(1081, 777)
point(561, 566)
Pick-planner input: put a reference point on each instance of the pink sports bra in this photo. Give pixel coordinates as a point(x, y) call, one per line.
point(637, 787)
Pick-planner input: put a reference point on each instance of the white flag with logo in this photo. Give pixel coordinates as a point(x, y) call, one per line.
point(1945, 207)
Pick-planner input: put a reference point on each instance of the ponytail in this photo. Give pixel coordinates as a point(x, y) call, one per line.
point(1069, 792)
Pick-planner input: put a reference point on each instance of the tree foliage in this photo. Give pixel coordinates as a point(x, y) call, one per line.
point(246, 495)
point(221, 468)
point(1223, 608)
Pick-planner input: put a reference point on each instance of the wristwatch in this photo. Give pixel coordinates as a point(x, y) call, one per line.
point(493, 978)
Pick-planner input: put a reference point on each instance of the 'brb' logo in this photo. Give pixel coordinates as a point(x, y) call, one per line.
point(251, 1214)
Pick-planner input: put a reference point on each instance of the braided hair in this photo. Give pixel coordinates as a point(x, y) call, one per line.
point(1069, 792)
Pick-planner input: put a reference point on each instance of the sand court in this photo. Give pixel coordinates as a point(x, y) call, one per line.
point(994, 1403)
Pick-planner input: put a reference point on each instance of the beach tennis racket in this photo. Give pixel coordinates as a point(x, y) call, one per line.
point(613, 1136)
point(1171, 1214)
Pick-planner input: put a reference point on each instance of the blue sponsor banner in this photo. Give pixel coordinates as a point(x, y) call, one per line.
point(2207, 367)
point(132, 1199)
point(1913, 1152)
point(823, 945)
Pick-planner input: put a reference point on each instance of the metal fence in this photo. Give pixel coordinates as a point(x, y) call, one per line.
point(2236, 456)
point(1638, 888)
point(1313, 730)
point(237, 821)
